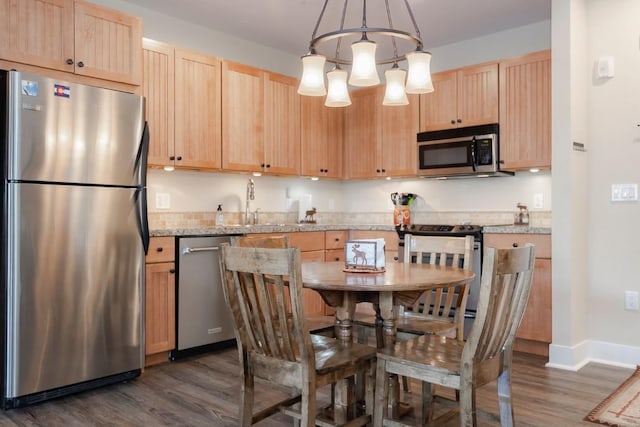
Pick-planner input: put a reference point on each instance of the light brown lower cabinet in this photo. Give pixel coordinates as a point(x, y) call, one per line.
point(160, 300)
point(534, 333)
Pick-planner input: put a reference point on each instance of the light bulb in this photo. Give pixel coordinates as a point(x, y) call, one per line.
point(338, 94)
point(312, 80)
point(363, 69)
point(419, 76)
point(394, 93)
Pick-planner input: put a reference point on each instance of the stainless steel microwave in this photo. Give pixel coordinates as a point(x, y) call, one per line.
point(472, 151)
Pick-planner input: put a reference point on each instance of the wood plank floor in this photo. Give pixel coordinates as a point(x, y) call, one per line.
point(204, 391)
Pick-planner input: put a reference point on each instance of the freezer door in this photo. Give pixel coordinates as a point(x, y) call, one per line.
point(75, 271)
point(65, 132)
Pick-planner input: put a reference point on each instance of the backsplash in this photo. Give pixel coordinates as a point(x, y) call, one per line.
point(169, 220)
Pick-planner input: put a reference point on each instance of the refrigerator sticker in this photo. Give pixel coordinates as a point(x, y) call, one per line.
point(29, 88)
point(63, 91)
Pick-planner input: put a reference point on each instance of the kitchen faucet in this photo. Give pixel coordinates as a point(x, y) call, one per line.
point(251, 195)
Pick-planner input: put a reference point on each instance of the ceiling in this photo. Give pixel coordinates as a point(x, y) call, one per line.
point(287, 25)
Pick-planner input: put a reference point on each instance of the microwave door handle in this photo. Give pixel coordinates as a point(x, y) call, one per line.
point(474, 162)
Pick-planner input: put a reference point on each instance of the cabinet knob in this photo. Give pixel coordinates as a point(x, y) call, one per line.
point(172, 157)
point(268, 165)
point(80, 64)
point(69, 61)
point(179, 158)
point(459, 120)
point(378, 170)
point(384, 170)
point(160, 249)
point(337, 239)
point(453, 122)
point(515, 245)
point(172, 271)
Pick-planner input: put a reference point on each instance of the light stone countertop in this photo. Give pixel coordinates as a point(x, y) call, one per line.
point(516, 229)
point(288, 228)
point(263, 228)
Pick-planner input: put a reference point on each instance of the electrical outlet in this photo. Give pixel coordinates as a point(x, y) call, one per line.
point(538, 201)
point(631, 300)
point(163, 201)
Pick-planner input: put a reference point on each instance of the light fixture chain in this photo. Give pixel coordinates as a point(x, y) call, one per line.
point(393, 39)
point(344, 14)
point(415, 24)
point(315, 30)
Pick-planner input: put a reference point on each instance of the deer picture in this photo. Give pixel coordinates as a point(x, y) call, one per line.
point(358, 255)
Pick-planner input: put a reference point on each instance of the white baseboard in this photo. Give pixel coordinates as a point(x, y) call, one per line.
point(575, 357)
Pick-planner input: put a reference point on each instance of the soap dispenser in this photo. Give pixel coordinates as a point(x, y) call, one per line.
point(219, 218)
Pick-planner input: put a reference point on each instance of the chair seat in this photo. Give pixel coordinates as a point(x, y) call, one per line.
point(415, 325)
point(333, 354)
point(442, 355)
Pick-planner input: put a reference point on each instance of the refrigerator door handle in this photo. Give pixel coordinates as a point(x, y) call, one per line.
point(141, 156)
point(143, 219)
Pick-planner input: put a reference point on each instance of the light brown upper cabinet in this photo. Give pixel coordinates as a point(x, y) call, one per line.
point(322, 138)
point(183, 107)
point(525, 112)
point(72, 36)
point(261, 121)
point(380, 141)
point(462, 97)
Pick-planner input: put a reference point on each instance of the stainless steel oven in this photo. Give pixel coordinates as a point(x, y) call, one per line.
point(454, 231)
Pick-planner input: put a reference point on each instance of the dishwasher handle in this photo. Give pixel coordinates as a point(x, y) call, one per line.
point(189, 250)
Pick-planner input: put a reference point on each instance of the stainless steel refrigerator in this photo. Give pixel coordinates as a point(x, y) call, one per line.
point(74, 235)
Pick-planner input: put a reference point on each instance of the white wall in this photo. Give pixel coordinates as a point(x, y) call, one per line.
point(595, 254)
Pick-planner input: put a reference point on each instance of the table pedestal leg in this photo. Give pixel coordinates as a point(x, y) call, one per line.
point(344, 407)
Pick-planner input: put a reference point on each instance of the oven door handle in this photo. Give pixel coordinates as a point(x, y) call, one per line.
point(474, 146)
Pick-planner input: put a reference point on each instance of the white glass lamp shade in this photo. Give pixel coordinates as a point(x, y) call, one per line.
point(419, 76)
point(363, 68)
point(338, 94)
point(394, 93)
point(312, 80)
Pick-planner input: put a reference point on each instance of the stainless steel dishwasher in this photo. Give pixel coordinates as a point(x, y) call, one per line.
point(203, 320)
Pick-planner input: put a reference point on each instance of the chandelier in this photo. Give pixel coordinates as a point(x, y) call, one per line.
point(363, 59)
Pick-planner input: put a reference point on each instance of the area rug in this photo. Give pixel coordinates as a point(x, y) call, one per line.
point(622, 407)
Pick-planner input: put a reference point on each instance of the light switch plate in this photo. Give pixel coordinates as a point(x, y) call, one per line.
point(163, 201)
point(624, 192)
point(538, 201)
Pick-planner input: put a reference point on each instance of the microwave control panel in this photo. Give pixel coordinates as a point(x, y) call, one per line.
point(485, 156)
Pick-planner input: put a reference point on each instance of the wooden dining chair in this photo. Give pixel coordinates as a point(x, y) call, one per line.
point(440, 311)
point(280, 351)
point(274, 242)
point(485, 356)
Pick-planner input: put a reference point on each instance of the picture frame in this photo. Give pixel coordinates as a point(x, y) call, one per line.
point(364, 255)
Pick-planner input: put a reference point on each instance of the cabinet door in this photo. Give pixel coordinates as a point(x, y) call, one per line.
point(362, 133)
point(198, 112)
point(536, 322)
point(463, 97)
point(478, 95)
point(439, 109)
point(160, 317)
point(38, 32)
point(398, 150)
point(525, 112)
point(322, 138)
point(108, 44)
point(243, 119)
point(282, 125)
point(158, 89)
point(313, 303)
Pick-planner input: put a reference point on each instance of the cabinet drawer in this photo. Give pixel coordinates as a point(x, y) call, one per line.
point(161, 249)
point(334, 255)
point(335, 239)
point(307, 240)
point(542, 242)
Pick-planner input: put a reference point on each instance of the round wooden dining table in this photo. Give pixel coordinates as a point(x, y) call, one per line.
point(400, 284)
